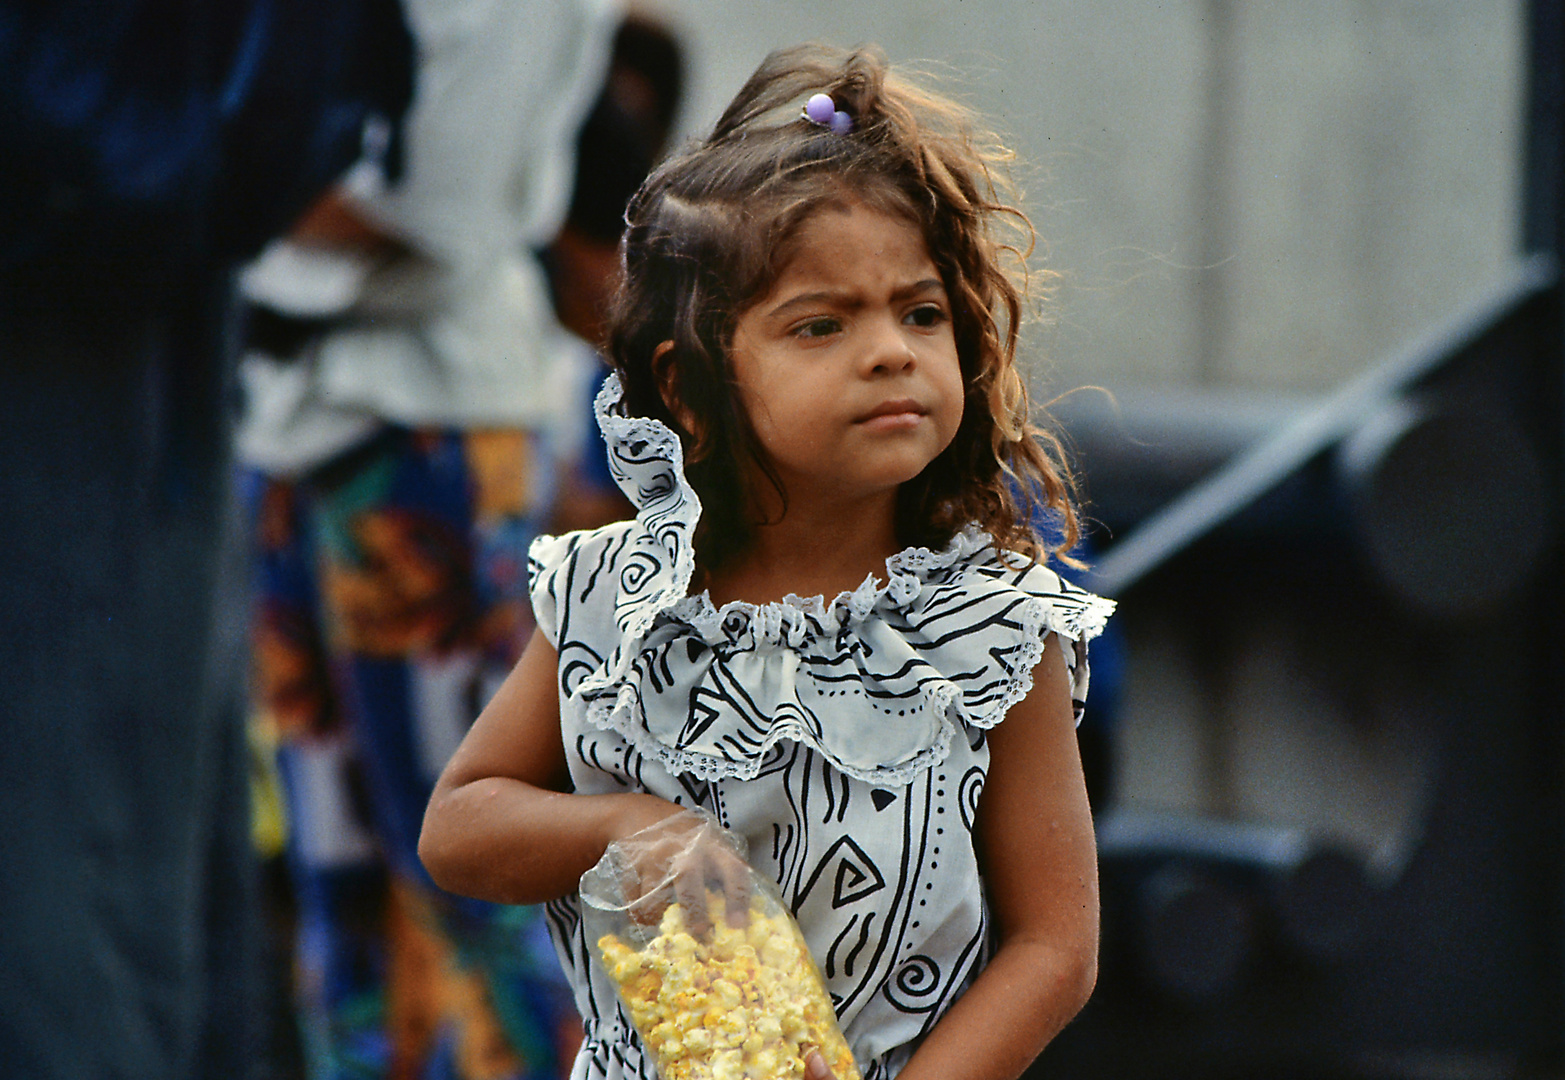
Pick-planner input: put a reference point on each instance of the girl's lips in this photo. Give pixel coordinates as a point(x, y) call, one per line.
point(892, 411)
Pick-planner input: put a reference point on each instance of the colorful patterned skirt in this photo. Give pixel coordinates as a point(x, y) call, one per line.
point(391, 603)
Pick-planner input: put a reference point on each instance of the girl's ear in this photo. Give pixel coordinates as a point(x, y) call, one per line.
point(666, 372)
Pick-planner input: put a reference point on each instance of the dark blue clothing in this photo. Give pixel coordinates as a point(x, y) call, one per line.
point(147, 141)
point(123, 922)
point(145, 147)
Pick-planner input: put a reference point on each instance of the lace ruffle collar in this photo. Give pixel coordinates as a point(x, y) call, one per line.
point(647, 461)
point(877, 680)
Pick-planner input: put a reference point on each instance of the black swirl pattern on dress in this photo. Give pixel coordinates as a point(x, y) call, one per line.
point(638, 571)
point(915, 988)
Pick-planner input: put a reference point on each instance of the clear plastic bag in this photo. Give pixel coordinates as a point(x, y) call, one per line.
point(712, 969)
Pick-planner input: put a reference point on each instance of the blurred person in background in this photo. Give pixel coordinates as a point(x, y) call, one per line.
point(149, 147)
point(412, 421)
point(626, 133)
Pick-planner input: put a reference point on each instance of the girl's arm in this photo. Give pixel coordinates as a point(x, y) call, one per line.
point(1040, 870)
point(500, 825)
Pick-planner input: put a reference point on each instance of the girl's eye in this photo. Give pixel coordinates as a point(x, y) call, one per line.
point(926, 315)
point(817, 328)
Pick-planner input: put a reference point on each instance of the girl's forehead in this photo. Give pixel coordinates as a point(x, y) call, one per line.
point(836, 235)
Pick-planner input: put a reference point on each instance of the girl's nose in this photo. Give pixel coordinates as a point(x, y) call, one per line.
point(889, 352)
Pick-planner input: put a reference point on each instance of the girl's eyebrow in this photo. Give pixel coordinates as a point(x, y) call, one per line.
point(848, 298)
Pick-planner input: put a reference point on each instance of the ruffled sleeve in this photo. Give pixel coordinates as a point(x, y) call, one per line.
point(1054, 606)
point(600, 590)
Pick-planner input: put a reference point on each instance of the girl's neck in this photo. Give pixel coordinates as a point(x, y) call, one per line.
point(819, 553)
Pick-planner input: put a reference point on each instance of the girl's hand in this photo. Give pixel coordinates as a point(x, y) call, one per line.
point(713, 868)
point(683, 857)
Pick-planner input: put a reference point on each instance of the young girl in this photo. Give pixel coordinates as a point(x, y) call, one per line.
point(828, 625)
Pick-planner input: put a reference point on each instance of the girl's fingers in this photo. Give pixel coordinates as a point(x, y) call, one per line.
point(713, 869)
point(733, 877)
point(690, 890)
point(815, 1067)
point(646, 910)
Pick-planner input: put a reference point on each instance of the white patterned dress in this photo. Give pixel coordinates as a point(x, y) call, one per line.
point(844, 741)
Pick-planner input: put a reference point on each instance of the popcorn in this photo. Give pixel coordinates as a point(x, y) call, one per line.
point(747, 1004)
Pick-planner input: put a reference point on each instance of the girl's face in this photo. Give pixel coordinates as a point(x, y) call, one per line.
point(848, 365)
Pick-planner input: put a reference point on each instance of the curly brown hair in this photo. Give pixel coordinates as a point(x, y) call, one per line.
point(711, 229)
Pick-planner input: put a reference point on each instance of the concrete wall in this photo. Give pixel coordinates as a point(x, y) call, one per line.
point(1263, 196)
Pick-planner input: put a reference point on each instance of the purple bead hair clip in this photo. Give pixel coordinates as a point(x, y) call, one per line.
point(822, 110)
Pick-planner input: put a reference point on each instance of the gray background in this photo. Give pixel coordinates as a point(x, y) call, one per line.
point(1260, 196)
